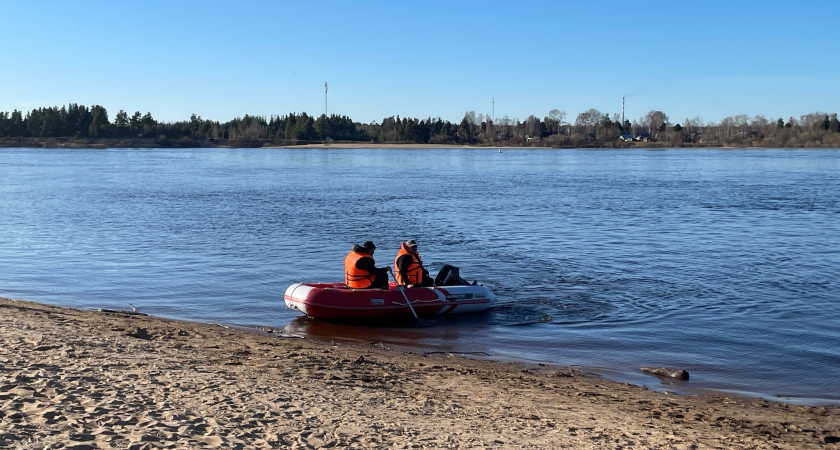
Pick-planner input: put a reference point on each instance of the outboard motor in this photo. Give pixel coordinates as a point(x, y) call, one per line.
point(449, 276)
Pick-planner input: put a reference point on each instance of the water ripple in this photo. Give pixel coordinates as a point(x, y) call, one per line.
point(713, 261)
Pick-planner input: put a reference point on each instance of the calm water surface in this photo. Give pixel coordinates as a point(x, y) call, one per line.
point(724, 263)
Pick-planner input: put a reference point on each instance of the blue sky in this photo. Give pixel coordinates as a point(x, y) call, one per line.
point(224, 59)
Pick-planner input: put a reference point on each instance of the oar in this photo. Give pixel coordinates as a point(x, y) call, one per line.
point(400, 288)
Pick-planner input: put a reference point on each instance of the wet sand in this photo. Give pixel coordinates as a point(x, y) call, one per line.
point(81, 379)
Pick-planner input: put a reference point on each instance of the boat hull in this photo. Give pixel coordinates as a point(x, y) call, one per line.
point(335, 301)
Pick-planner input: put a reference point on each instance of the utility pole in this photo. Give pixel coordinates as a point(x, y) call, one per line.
point(325, 99)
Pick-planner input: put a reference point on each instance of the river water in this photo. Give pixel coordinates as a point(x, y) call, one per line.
point(721, 262)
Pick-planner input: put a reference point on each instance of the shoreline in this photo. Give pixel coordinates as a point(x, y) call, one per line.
point(150, 143)
point(634, 376)
point(89, 379)
point(392, 146)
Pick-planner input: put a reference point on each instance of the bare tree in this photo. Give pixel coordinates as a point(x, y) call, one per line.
point(589, 118)
point(654, 120)
point(504, 126)
point(727, 124)
point(472, 122)
point(557, 116)
point(809, 120)
point(532, 126)
point(759, 122)
point(470, 116)
point(697, 121)
point(555, 120)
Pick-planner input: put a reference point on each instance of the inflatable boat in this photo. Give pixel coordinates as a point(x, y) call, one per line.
point(335, 301)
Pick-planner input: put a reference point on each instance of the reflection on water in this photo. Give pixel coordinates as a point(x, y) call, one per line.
point(427, 334)
point(724, 263)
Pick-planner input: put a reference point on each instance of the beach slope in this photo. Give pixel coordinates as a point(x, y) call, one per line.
point(82, 379)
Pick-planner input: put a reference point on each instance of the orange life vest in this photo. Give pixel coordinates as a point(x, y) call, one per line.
point(414, 275)
point(354, 277)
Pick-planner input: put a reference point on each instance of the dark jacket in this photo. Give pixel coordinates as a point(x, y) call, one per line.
point(404, 262)
point(368, 264)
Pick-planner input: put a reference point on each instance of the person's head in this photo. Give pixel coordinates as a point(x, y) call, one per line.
point(369, 247)
point(411, 245)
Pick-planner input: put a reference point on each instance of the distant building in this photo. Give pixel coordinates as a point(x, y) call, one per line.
point(626, 137)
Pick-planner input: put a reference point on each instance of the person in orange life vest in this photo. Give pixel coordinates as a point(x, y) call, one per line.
point(360, 271)
point(410, 270)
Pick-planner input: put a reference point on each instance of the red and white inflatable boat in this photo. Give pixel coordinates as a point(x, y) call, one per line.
point(336, 301)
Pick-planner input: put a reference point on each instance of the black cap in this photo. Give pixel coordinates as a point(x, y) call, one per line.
point(410, 243)
point(368, 245)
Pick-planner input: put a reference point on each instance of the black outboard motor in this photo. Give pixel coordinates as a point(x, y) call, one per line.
point(449, 276)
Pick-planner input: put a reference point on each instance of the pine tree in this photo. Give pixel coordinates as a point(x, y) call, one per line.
point(50, 124)
point(834, 124)
point(99, 121)
point(121, 124)
point(135, 124)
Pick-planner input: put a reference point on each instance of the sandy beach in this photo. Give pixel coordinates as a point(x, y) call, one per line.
point(82, 379)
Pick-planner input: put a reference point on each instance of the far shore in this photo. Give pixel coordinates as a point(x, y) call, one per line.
point(354, 145)
point(106, 379)
point(304, 145)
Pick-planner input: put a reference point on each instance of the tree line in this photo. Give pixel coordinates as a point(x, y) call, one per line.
point(589, 128)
